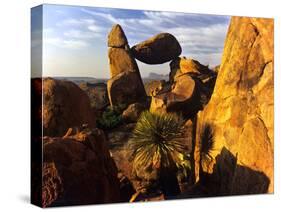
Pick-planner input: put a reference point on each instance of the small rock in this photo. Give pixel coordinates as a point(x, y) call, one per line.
point(133, 111)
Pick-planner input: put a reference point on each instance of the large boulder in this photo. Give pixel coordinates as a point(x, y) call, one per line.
point(64, 105)
point(239, 117)
point(183, 65)
point(125, 88)
point(97, 93)
point(157, 50)
point(117, 37)
point(78, 169)
point(183, 96)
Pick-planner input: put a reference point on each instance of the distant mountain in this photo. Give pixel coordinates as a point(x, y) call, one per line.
point(79, 80)
point(156, 76)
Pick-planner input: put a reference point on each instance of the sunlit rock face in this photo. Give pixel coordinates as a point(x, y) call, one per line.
point(240, 112)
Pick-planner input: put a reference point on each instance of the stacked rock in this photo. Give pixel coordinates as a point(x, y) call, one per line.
point(125, 85)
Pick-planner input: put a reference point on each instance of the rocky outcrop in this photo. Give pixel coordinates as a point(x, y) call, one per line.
point(153, 87)
point(157, 50)
point(183, 65)
point(64, 105)
point(125, 85)
point(125, 88)
point(240, 113)
point(78, 169)
point(182, 96)
point(97, 94)
point(133, 112)
point(188, 90)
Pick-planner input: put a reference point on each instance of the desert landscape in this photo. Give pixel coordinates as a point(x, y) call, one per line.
point(199, 131)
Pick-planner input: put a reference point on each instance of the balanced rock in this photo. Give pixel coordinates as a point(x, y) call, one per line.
point(240, 112)
point(78, 169)
point(158, 49)
point(64, 105)
point(117, 37)
point(125, 88)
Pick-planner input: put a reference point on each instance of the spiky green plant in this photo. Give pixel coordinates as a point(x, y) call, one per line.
point(156, 144)
point(207, 143)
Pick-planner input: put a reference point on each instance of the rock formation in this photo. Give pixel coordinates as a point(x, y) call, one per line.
point(239, 116)
point(78, 169)
point(64, 105)
point(189, 88)
point(153, 87)
point(125, 88)
point(125, 85)
point(159, 49)
point(97, 94)
point(133, 111)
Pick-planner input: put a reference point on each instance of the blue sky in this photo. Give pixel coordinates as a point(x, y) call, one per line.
point(75, 38)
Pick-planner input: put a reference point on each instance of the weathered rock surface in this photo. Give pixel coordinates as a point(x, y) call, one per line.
point(97, 93)
point(158, 49)
point(64, 105)
point(189, 66)
point(78, 169)
point(133, 111)
point(182, 96)
point(240, 112)
point(153, 87)
point(117, 37)
point(125, 85)
point(120, 60)
point(125, 88)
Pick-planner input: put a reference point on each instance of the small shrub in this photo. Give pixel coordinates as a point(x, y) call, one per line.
point(109, 119)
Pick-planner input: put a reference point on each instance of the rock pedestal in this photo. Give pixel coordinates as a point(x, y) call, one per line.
point(125, 85)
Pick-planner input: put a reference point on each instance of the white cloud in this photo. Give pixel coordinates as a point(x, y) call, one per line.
point(75, 22)
point(79, 34)
point(69, 44)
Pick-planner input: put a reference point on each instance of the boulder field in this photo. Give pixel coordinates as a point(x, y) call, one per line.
point(229, 109)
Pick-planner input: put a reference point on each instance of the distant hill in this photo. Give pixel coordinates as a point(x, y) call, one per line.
point(79, 80)
point(155, 76)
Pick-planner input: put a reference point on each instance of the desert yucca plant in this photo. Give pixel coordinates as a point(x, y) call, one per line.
point(156, 146)
point(207, 143)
